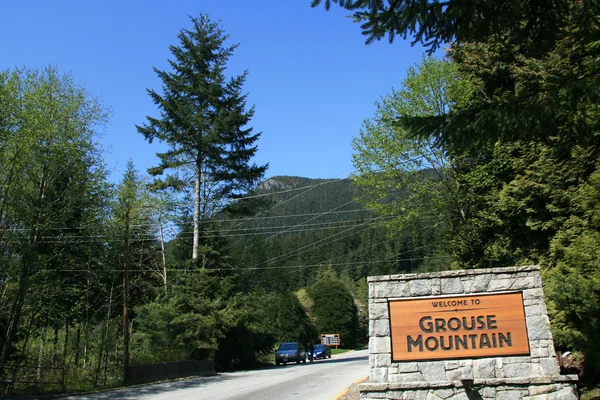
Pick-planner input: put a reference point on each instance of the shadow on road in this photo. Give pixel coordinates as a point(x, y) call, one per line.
point(333, 360)
point(136, 392)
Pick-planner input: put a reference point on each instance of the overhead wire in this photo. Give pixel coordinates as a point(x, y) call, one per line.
point(310, 244)
point(311, 219)
point(243, 231)
point(288, 228)
point(309, 187)
point(244, 269)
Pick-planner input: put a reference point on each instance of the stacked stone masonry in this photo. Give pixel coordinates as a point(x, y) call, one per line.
point(534, 377)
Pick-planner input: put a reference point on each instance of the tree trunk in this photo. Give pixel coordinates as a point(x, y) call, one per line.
point(15, 314)
point(77, 346)
point(28, 262)
point(162, 252)
point(104, 335)
point(196, 213)
point(41, 354)
point(65, 363)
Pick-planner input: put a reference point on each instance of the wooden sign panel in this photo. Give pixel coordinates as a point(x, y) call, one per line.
point(330, 339)
point(466, 326)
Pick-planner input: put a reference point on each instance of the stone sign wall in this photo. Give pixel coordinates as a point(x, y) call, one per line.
point(407, 360)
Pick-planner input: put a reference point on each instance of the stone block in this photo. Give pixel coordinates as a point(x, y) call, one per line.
point(433, 371)
point(405, 277)
point(538, 328)
point(566, 393)
point(536, 371)
point(379, 327)
point(509, 395)
point(524, 283)
point(436, 286)
point(381, 289)
point(407, 377)
point(533, 294)
point(460, 373)
point(407, 395)
point(549, 367)
point(480, 283)
point(529, 302)
point(489, 393)
point(387, 289)
point(461, 395)
point(378, 278)
point(420, 287)
point(450, 365)
point(484, 368)
point(497, 285)
point(452, 286)
point(379, 345)
point(398, 289)
point(543, 389)
point(517, 360)
point(533, 310)
point(373, 395)
point(499, 363)
point(543, 309)
point(378, 310)
point(443, 394)
point(408, 367)
point(467, 283)
point(539, 352)
point(380, 360)
point(378, 375)
point(517, 370)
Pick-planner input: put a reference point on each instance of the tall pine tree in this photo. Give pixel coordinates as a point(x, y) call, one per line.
point(204, 123)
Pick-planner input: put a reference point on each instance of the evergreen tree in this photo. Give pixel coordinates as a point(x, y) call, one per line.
point(435, 23)
point(204, 123)
point(525, 146)
point(133, 244)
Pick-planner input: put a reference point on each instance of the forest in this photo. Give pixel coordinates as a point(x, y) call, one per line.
point(484, 156)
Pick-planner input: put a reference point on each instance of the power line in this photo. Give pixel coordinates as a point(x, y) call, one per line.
point(285, 216)
point(290, 190)
point(387, 260)
point(309, 245)
point(303, 193)
point(309, 187)
point(312, 219)
point(253, 231)
point(209, 221)
point(333, 235)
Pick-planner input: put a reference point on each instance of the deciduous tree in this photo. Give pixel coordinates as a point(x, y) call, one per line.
point(402, 174)
point(52, 195)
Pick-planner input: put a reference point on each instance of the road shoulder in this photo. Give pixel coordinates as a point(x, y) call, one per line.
point(351, 392)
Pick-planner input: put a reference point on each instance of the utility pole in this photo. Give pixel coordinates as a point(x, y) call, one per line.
point(126, 296)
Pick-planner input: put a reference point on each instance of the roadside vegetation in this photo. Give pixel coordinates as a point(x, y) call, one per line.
point(486, 155)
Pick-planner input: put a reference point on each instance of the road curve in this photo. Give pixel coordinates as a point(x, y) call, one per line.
point(320, 380)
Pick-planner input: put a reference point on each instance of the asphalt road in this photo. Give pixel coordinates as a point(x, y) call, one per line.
point(320, 380)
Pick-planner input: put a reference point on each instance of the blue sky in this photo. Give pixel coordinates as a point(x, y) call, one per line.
point(311, 77)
